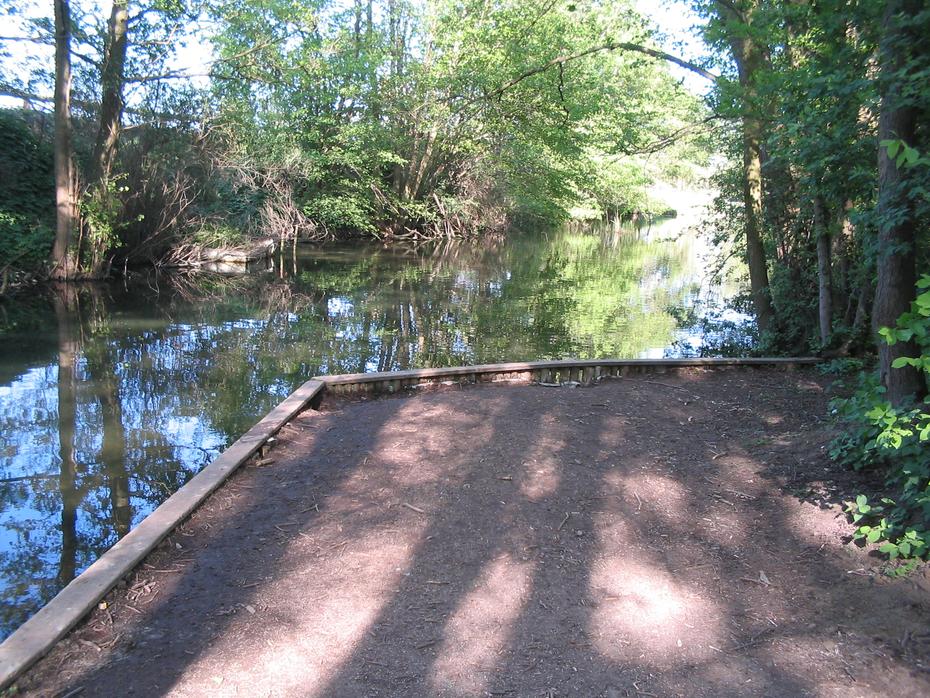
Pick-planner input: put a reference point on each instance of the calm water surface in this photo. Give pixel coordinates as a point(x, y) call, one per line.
point(113, 396)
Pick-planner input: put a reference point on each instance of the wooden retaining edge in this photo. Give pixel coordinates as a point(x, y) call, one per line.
point(581, 369)
point(38, 634)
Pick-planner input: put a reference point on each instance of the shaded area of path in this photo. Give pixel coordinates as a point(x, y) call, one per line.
point(675, 535)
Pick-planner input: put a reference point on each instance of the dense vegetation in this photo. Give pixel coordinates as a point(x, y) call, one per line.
point(826, 192)
point(467, 117)
point(322, 117)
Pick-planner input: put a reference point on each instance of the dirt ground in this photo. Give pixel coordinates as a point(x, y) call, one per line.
point(663, 535)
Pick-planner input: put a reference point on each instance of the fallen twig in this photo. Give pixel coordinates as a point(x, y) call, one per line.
point(756, 581)
point(90, 644)
point(754, 640)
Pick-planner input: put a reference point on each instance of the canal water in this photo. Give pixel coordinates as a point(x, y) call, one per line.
point(113, 396)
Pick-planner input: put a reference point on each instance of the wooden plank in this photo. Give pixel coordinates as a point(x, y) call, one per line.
point(37, 635)
point(562, 364)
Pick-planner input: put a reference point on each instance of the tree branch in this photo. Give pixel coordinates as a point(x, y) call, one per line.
point(34, 39)
point(609, 46)
point(10, 91)
point(183, 74)
point(683, 132)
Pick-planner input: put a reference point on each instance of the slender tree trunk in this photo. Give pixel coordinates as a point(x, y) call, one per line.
point(112, 79)
point(393, 27)
point(840, 245)
point(897, 270)
point(374, 103)
point(424, 164)
point(752, 200)
point(749, 59)
point(824, 270)
point(63, 264)
point(860, 320)
point(357, 32)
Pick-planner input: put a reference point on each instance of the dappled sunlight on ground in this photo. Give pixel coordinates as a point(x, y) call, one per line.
point(642, 613)
point(414, 457)
point(817, 526)
point(479, 629)
point(652, 493)
point(540, 479)
point(299, 649)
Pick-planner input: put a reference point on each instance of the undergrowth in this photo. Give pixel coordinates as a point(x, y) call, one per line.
point(896, 439)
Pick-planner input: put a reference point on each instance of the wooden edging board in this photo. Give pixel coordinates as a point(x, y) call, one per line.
point(394, 379)
point(35, 637)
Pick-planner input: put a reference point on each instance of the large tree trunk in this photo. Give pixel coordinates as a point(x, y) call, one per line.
point(111, 103)
point(897, 270)
point(63, 263)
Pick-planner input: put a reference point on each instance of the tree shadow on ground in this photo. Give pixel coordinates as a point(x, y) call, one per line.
point(634, 538)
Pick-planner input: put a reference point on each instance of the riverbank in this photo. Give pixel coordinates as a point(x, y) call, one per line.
point(674, 534)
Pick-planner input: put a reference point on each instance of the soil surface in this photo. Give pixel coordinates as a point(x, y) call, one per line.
point(676, 534)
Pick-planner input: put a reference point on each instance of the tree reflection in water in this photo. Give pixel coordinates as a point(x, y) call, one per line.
point(113, 396)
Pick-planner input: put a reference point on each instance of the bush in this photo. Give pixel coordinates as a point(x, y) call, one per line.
point(876, 433)
point(27, 193)
point(25, 243)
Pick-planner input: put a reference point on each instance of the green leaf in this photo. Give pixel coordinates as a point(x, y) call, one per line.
point(874, 535)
